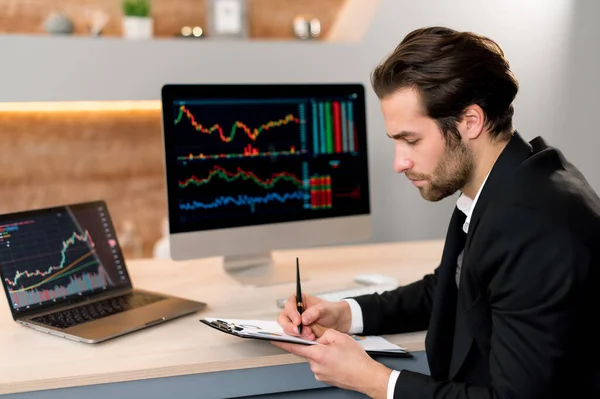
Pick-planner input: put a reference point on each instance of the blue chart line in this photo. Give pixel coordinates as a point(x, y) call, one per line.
point(242, 200)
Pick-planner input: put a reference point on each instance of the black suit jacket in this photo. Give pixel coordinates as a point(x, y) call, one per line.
point(522, 323)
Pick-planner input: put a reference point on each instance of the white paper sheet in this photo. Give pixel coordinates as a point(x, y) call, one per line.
point(263, 328)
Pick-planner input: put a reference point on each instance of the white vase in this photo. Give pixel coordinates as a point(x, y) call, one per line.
point(137, 28)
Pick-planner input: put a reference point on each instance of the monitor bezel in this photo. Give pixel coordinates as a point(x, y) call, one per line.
point(172, 92)
point(72, 300)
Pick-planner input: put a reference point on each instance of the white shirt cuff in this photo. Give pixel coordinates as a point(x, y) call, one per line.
point(392, 384)
point(356, 321)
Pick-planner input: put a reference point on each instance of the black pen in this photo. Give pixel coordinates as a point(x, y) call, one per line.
point(299, 303)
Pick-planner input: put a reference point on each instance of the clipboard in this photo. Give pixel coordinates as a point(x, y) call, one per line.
point(271, 331)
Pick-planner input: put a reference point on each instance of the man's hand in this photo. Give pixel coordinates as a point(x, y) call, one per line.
point(339, 360)
point(319, 316)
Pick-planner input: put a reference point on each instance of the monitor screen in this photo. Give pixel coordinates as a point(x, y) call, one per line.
point(247, 155)
point(53, 255)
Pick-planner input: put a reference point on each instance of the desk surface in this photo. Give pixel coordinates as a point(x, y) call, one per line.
point(36, 361)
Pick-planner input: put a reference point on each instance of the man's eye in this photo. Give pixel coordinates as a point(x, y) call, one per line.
point(412, 142)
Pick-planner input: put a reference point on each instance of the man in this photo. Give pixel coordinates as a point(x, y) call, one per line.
point(511, 309)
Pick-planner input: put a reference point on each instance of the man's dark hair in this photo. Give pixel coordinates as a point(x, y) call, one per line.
point(450, 71)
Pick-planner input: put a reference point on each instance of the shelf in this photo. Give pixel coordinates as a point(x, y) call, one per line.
point(341, 20)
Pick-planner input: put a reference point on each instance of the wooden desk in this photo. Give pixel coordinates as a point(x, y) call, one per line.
point(36, 362)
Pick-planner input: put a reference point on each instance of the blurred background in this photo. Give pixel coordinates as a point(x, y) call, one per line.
point(80, 83)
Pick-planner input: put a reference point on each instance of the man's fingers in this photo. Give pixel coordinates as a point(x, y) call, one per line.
point(291, 311)
point(318, 330)
point(287, 325)
point(330, 336)
point(311, 314)
point(296, 349)
point(315, 368)
point(307, 333)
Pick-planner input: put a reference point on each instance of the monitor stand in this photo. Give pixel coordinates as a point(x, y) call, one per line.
point(259, 270)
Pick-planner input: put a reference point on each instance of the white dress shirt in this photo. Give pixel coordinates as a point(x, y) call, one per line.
point(466, 206)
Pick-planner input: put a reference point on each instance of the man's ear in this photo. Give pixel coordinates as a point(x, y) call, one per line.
point(473, 122)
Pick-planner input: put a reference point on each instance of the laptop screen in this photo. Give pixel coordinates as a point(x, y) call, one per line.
point(57, 255)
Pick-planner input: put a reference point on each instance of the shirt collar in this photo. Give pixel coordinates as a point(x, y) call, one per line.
point(466, 205)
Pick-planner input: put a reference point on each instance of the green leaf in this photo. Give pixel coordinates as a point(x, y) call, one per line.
point(136, 8)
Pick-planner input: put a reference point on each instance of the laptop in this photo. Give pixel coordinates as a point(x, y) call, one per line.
point(63, 272)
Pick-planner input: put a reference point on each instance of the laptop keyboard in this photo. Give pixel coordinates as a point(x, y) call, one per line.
point(97, 310)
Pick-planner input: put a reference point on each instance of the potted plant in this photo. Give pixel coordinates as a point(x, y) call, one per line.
point(137, 22)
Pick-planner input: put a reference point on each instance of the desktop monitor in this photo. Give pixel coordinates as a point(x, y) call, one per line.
point(253, 168)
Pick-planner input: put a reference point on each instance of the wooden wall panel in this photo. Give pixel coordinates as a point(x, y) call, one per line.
point(52, 158)
point(273, 18)
point(266, 18)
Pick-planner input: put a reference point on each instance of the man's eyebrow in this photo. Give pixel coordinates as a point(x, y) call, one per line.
point(401, 135)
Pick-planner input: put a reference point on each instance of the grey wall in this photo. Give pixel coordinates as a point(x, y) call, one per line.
point(552, 47)
point(577, 118)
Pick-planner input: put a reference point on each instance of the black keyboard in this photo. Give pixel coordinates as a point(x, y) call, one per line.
point(97, 310)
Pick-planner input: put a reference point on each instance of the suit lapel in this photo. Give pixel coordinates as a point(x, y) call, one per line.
point(515, 152)
point(439, 335)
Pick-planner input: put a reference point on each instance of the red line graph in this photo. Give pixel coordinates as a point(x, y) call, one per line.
point(252, 133)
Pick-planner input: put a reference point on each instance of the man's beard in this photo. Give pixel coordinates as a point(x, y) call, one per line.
point(452, 173)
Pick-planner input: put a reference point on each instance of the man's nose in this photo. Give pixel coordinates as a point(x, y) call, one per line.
point(402, 163)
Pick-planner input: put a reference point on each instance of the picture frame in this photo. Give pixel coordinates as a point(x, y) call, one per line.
point(227, 19)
